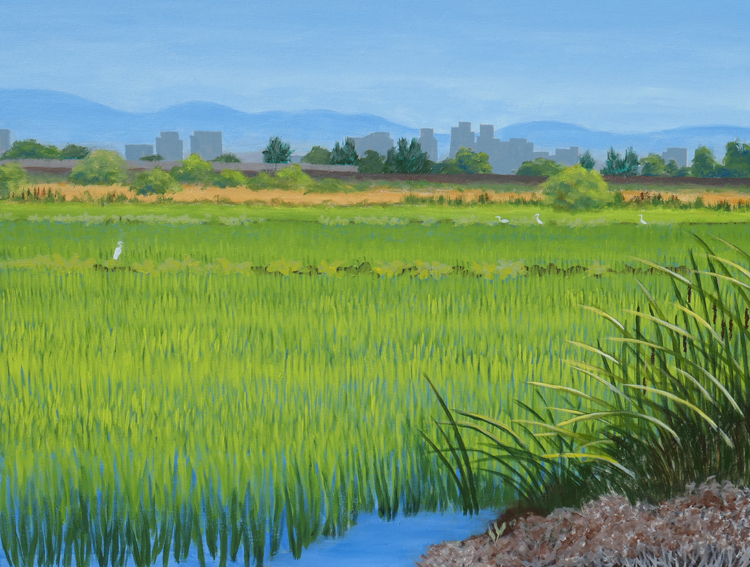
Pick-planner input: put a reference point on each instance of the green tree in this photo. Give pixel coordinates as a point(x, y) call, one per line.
point(671, 169)
point(653, 165)
point(318, 155)
point(154, 182)
point(31, 149)
point(704, 163)
point(231, 178)
point(72, 151)
point(587, 160)
point(623, 166)
point(277, 152)
point(737, 159)
point(194, 170)
point(227, 158)
point(371, 162)
point(346, 154)
point(153, 157)
point(466, 161)
point(407, 157)
point(101, 167)
point(12, 178)
point(577, 188)
point(540, 167)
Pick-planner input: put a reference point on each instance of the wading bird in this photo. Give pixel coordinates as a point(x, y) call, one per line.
point(642, 221)
point(118, 250)
point(538, 220)
point(501, 219)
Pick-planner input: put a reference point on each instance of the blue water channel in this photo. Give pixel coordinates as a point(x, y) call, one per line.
point(399, 543)
point(371, 543)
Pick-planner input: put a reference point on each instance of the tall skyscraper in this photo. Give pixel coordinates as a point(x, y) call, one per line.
point(206, 144)
point(169, 146)
point(137, 151)
point(680, 155)
point(4, 141)
point(429, 143)
point(461, 137)
point(486, 141)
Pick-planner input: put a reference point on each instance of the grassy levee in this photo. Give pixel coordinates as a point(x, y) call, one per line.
point(145, 413)
point(314, 242)
point(207, 212)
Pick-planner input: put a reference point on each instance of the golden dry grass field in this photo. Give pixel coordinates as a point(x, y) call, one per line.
point(374, 196)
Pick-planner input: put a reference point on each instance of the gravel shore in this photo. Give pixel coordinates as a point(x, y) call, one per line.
point(708, 526)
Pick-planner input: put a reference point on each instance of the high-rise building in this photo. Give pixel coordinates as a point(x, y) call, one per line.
point(208, 145)
point(380, 142)
point(4, 141)
point(461, 137)
point(169, 146)
point(486, 141)
point(137, 151)
point(429, 143)
point(680, 155)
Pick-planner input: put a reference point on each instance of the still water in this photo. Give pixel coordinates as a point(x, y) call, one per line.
point(399, 543)
point(371, 543)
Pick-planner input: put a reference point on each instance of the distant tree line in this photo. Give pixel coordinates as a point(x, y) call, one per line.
point(405, 157)
point(736, 163)
point(408, 157)
point(31, 149)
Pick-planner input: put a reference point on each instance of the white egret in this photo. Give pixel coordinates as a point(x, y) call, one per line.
point(538, 220)
point(118, 250)
point(501, 219)
point(642, 221)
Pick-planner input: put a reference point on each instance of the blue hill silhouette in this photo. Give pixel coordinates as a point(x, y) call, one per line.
point(59, 118)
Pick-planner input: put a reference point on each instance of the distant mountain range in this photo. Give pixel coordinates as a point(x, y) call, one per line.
point(60, 118)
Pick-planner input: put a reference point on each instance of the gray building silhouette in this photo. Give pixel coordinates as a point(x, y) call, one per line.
point(514, 154)
point(569, 156)
point(169, 146)
point(206, 144)
point(461, 137)
point(429, 143)
point(381, 142)
point(680, 155)
point(4, 141)
point(486, 141)
point(137, 151)
point(505, 157)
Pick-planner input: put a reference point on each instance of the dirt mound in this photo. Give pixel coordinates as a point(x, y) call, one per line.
point(708, 526)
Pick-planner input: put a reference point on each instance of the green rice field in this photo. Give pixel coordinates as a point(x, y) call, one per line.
point(227, 384)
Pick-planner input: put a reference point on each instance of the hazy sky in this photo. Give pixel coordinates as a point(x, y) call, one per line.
point(617, 65)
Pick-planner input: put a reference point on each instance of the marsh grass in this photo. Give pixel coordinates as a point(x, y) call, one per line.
point(234, 411)
point(678, 414)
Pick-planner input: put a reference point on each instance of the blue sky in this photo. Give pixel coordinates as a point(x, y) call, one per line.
point(619, 66)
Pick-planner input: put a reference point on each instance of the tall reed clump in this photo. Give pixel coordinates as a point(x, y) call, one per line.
point(677, 413)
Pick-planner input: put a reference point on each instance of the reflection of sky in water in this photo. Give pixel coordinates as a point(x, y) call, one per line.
point(372, 542)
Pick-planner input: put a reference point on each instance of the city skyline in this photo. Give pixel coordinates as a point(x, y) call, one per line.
point(505, 157)
point(631, 69)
